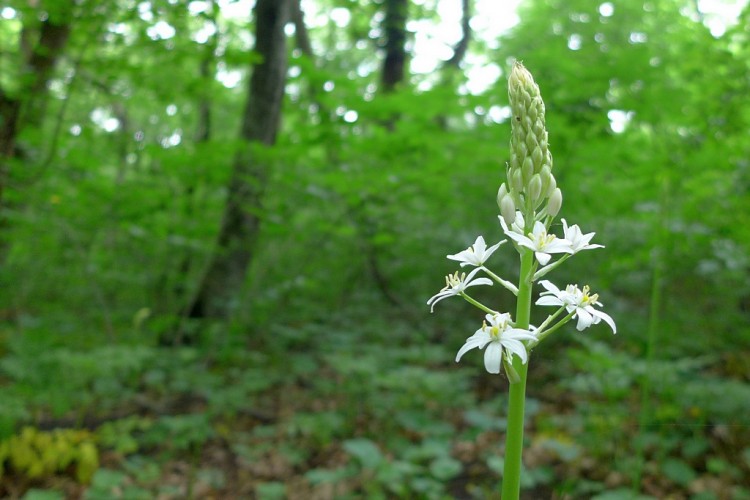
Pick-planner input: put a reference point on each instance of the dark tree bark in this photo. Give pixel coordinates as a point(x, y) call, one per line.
point(41, 48)
point(301, 35)
point(459, 51)
point(394, 64)
point(241, 223)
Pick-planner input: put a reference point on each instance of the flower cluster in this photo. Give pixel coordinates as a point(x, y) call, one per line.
point(528, 205)
point(498, 333)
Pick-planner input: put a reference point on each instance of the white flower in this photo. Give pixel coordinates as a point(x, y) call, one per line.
point(578, 301)
point(477, 254)
point(578, 240)
point(517, 226)
point(496, 336)
point(539, 241)
point(455, 285)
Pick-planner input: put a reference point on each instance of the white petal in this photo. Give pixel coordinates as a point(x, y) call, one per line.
point(479, 245)
point(492, 249)
point(539, 228)
point(520, 239)
point(460, 256)
point(607, 319)
point(585, 319)
point(493, 357)
point(549, 301)
point(474, 341)
point(550, 286)
point(542, 257)
point(515, 347)
point(518, 334)
point(558, 245)
point(479, 281)
point(440, 296)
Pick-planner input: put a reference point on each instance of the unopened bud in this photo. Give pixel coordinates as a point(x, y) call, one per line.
point(527, 169)
point(534, 189)
point(501, 193)
point(554, 203)
point(508, 209)
point(516, 181)
point(537, 156)
point(545, 174)
point(552, 185)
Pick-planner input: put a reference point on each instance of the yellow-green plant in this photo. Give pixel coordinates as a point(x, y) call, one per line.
point(37, 454)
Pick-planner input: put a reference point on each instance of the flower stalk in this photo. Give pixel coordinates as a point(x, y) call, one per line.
point(528, 202)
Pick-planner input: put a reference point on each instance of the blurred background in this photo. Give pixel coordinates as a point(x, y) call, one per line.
point(220, 221)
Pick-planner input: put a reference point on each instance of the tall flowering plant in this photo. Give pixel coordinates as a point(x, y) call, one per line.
point(529, 201)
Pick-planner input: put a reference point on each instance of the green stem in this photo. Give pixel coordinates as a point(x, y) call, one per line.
point(543, 334)
point(507, 284)
point(476, 303)
point(514, 439)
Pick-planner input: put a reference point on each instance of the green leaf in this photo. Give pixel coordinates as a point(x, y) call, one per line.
point(34, 494)
point(678, 471)
point(364, 450)
point(444, 468)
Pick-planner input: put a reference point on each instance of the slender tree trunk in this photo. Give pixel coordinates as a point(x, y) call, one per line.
point(459, 50)
point(394, 63)
point(41, 47)
point(241, 223)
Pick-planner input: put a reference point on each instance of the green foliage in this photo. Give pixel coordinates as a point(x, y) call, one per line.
point(332, 378)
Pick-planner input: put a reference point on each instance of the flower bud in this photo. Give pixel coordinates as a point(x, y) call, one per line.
point(529, 141)
point(554, 203)
point(516, 181)
point(501, 194)
point(552, 185)
point(508, 209)
point(527, 169)
point(545, 174)
point(534, 188)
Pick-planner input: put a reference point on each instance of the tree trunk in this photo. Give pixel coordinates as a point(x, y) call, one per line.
point(26, 106)
point(459, 51)
point(395, 43)
point(241, 223)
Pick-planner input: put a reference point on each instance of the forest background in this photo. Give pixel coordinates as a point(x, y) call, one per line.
point(220, 222)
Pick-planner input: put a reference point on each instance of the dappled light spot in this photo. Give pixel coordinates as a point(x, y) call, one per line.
point(7, 13)
point(204, 33)
point(606, 9)
point(499, 114)
point(197, 7)
point(102, 118)
point(619, 119)
point(637, 37)
point(144, 11)
point(228, 78)
point(340, 16)
point(173, 140)
point(162, 30)
point(575, 41)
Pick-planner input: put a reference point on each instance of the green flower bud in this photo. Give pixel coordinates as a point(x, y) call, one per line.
point(545, 174)
point(537, 156)
point(527, 169)
point(516, 181)
point(508, 209)
point(554, 203)
point(552, 185)
point(528, 143)
point(501, 193)
point(534, 188)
